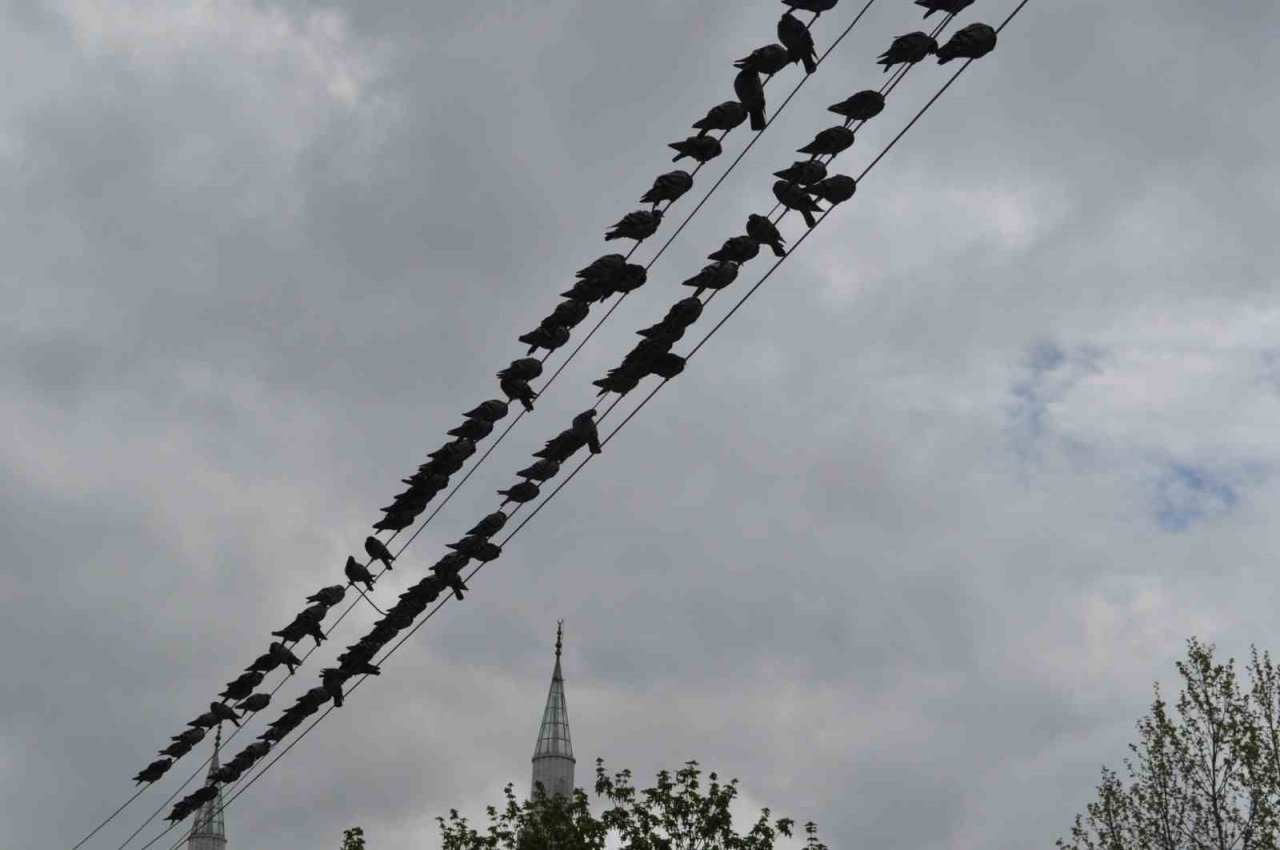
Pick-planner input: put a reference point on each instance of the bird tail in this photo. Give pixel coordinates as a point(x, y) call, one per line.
point(778, 250)
point(702, 132)
point(809, 65)
point(758, 121)
point(614, 235)
point(647, 198)
point(809, 220)
point(741, 64)
point(679, 156)
point(944, 59)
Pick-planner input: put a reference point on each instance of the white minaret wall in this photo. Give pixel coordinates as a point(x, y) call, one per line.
point(553, 759)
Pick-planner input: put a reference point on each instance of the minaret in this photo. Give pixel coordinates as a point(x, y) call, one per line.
point(553, 756)
point(208, 832)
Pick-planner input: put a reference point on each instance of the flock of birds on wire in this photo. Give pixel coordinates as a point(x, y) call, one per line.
point(800, 187)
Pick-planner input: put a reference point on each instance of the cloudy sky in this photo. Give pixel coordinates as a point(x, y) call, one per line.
point(904, 548)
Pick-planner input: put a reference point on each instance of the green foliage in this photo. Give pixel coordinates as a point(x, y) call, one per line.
point(675, 814)
point(353, 839)
point(1204, 776)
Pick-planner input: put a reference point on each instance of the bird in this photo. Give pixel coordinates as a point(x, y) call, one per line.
point(490, 525)
point(378, 551)
point(722, 116)
point(860, 106)
point(836, 189)
point(330, 595)
point(570, 313)
point(761, 229)
point(450, 563)
point(526, 369)
point(794, 197)
point(541, 470)
point(806, 172)
point(395, 521)
point(633, 276)
point(177, 749)
point(224, 712)
point(473, 429)
point(467, 545)
point(525, 491)
point(515, 388)
point(486, 552)
point(908, 49)
point(357, 572)
point(560, 447)
point(333, 677)
point(815, 6)
point(795, 36)
point(191, 736)
point(667, 366)
point(680, 314)
point(620, 381)
point(588, 291)
point(830, 141)
point(767, 60)
point(550, 339)
point(490, 411)
point(208, 720)
point(740, 249)
point(254, 703)
point(951, 7)
point(716, 275)
point(750, 91)
point(638, 225)
point(362, 668)
point(584, 425)
point(668, 187)
point(243, 685)
point(971, 42)
point(602, 267)
point(457, 585)
point(697, 148)
point(281, 653)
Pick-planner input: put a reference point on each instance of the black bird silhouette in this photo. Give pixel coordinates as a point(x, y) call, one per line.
point(761, 229)
point(620, 381)
point(490, 411)
point(716, 275)
point(378, 551)
point(281, 653)
point(333, 678)
point(177, 750)
point(860, 106)
point(908, 49)
point(638, 225)
point(560, 447)
point(836, 189)
point(683, 313)
point(794, 197)
point(208, 720)
point(243, 685)
point(972, 42)
point(722, 116)
point(541, 470)
point(951, 7)
point(603, 268)
point(467, 545)
point(487, 552)
point(254, 703)
point(525, 369)
point(225, 712)
point(517, 389)
point(698, 148)
point(766, 60)
point(525, 491)
point(457, 585)
point(806, 172)
point(740, 249)
point(473, 429)
point(548, 338)
point(179, 812)
point(331, 595)
point(226, 773)
point(668, 187)
point(633, 277)
point(191, 737)
point(362, 668)
point(357, 572)
point(815, 6)
point(584, 425)
point(395, 521)
point(570, 313)
point(490, 525)
point(750, 91)
point(589, 291)
point(831, 141)
point(667, 366)
point(450, 563)
point(265, 663)
point(795, 36)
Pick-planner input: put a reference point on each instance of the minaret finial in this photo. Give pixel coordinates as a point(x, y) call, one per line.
point(559, 635)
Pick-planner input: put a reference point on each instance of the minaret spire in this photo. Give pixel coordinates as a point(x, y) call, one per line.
point(553, 755)
point(208, 832)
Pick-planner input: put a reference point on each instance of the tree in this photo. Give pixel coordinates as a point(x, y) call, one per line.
point(1205, 776)
point(353, 839)
point(675, 814)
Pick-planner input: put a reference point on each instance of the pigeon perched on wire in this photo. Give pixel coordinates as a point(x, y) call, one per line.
point(560, 447)
point(951, 7)
point(176, 750)
point(588, 290)
point(208, 720)
point(806, 172)
point(333, 679)
point(739, 249)
point(795, 198)
point(570, 313)
point(697, 148)
point(357, 572)
point(860, 106)
point(908, 49)
point(378, 551)
point(225, 712)
point(681, 314)
point(714, 276)
point(767, 60)
point(519, 390)
point(604, 268)
point(526, 369)
point(525, 491)
point(395, 521)
point(638, 225)
point(829, 142)
point(490, 525)
point(836, 189)
point(540, 470)
point(243, 685)
point(472, 429)
point(668, 187)
point(815, 6)
point(331, 595)
point(795, 36)
point(584, 425)
point(191, 737)
point(282, 655)
point(253, 703)
point(723, 116)
point(764, 231)
point(549, 338)
point(667, 366)
point(971, 42)
point(450, 563)
point(490, 411)
point(750, 90)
